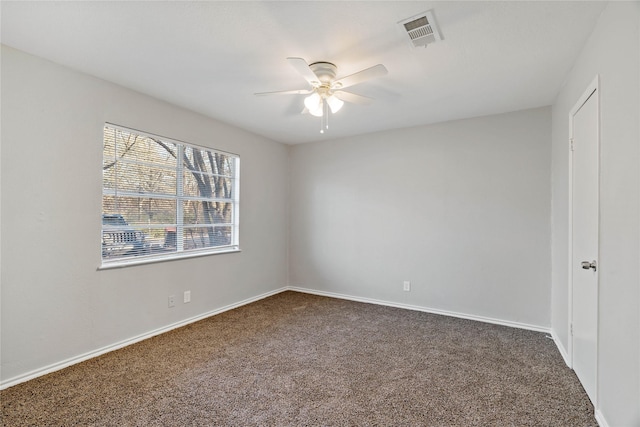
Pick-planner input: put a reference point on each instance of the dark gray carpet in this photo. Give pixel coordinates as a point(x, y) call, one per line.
point(301, 360)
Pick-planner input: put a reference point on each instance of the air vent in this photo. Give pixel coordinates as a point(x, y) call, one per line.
point(421, 29)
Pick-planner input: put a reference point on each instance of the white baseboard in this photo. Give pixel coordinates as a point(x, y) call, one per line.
point(561, 349)
point(95, 353)
point(602, 422)
point(484, 319)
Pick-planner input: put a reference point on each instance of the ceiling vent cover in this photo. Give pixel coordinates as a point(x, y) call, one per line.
point(421, 29)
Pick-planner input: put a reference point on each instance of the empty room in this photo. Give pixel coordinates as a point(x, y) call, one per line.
point(286, 213)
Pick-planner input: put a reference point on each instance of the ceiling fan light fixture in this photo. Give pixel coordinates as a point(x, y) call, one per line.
point(313, 103)
point(326, 95)
point(334, 103)
point(317, 111)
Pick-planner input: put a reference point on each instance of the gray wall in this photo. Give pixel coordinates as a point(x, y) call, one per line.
point(613, 52)
point(55, 304)
point(461, 209)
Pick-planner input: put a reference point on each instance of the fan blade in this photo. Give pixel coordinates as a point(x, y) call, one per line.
point(286, 92)
point(361, 76)
point(353, 98)
point(302, 67)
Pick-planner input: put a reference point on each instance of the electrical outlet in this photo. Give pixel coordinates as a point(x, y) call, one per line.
point(172, 301)
point(187, 297)
point(406, 286)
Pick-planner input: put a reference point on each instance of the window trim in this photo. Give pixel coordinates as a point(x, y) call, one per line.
point(234, 247)
point(179, 256)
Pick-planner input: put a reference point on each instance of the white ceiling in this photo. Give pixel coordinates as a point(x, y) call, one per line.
point(212, 56)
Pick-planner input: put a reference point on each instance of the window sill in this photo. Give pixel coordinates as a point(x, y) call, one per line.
point(142, 261)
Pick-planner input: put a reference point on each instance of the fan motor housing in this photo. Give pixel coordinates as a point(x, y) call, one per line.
point(325, 71)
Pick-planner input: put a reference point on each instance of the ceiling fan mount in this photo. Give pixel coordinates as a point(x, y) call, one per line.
point(325, 71)
point(326, 93)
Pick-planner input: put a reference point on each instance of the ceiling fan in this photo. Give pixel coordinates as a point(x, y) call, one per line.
point(327, 92)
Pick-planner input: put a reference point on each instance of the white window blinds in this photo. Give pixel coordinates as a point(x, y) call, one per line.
point(163, 198)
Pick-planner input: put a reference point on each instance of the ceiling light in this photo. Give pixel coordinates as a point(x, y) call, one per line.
point(334, 103)
point(319, 103)
point(318, 111)
point(313, 103)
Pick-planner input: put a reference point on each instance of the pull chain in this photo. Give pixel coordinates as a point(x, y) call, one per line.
point(326, 113)
point(324, 120)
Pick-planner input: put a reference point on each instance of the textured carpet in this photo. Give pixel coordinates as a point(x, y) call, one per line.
point(300, 360)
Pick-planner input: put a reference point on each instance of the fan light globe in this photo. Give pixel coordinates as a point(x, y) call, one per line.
point(317, 111)
point(334, 103)
point(313, 103)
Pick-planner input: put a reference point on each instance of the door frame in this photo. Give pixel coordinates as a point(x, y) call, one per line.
point(593, 89)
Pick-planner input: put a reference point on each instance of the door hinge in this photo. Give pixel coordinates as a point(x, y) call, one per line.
point(571, 144)
point(571, 329)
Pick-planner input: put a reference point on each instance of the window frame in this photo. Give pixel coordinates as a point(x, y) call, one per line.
point(179, 198)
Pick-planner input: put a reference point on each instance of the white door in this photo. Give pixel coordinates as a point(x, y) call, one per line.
point(584, 322)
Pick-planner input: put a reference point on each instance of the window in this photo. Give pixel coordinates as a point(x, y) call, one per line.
point(165, 199)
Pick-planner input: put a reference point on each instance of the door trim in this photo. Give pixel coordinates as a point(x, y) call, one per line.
point(592, 90)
